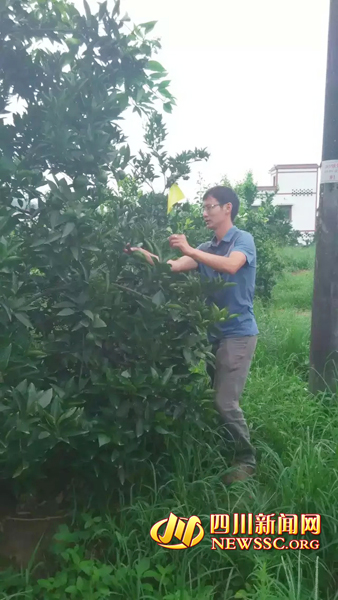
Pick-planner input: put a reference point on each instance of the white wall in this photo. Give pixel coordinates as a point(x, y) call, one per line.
point(303, 216)
point(289, 181)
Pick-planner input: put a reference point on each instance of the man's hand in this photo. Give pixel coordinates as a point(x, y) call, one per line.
point(129, 249)
point(180, 241)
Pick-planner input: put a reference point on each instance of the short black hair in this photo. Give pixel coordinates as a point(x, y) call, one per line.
point(223, 195)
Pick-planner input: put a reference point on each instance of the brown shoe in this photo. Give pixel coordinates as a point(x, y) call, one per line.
point(239, 473)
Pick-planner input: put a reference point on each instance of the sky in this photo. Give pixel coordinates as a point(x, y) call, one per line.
point(249, 81)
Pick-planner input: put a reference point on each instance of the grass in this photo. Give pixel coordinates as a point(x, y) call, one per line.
point(296, 436)
point(294, 291)
point(298, 258)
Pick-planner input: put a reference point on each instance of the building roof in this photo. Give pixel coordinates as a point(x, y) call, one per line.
point(267, 188)
point(295, 166)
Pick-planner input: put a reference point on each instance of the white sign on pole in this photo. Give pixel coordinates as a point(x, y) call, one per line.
point(329, 171)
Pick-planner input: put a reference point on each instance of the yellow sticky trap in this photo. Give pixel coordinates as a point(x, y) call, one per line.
point(174, 196)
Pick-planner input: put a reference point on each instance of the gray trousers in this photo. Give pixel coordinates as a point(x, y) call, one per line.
point(233, 360)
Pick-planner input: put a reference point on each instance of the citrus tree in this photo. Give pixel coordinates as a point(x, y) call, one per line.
point(99, 353)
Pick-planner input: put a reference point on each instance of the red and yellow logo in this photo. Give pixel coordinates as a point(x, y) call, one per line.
point(180, 528)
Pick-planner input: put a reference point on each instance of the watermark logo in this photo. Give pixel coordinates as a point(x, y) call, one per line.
point(189, 532)
point(178, 533)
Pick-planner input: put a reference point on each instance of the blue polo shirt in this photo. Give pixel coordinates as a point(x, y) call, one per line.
point(238, 299)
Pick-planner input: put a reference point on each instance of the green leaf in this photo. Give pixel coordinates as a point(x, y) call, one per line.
point(164, 84)
point(56, 218)
point(54, 237)
point(103, 439)
point(142, 566)
point(32, 395)
point(75, 252)
point(98, 322)
point(178, 411)
point(39, 242)
point(115, 455)
point(43, 435)
point(22, 386)
point(45, 398)
point(80, 182)
point(241, 594)
point(166, 94)
point(153, 65)
point(167, 107)
point(7, 309)
point(102, 9)
point(87, 9)
point(4, 357)
point(160, 429)
point(167, 374)
point(79, 583)
point(116, 10)
point(64, 304)
point(139, 428)
point(148, 588)
point(66, 312)
point(92, 248)
point(71, 589)
point(158, 298)
point(89, 314)
point(155, 76)
point(121, 474)
point(68, 228)
point(20, 470)
point(24, 319)
point(148, 26)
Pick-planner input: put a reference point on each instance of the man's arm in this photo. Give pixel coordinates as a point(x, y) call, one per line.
point(223, 264)
point(243, 252)
point(184, 263)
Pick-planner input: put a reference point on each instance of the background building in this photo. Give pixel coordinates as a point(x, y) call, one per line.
point(296, 191)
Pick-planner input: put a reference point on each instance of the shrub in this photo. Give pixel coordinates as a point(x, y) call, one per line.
point(99, 353)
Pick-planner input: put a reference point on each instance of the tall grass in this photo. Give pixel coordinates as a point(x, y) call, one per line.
point(294, 291)
point(298, 258)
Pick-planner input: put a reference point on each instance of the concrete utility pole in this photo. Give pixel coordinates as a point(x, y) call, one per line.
point(324, 334)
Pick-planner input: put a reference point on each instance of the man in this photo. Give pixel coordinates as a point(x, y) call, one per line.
point(232, 254)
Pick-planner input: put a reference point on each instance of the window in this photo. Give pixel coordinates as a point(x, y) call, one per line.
point(286, 210)
point(302, 192)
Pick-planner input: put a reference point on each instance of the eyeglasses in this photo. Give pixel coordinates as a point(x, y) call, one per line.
point(210, 207)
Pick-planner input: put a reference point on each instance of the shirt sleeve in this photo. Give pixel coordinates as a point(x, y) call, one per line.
point(204, 247)
point(245, 243)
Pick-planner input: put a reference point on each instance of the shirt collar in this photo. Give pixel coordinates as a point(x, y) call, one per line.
point(226, 238)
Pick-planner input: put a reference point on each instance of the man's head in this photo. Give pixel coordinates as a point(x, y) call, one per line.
point(221, 205)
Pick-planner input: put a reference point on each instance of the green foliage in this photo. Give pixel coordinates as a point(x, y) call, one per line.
point(99, 353)
point(269, 229)
point(294, 290)
point(298, 259)
point(147, 222)
point(83, 574)
point(157, 162)
point(296, 439)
